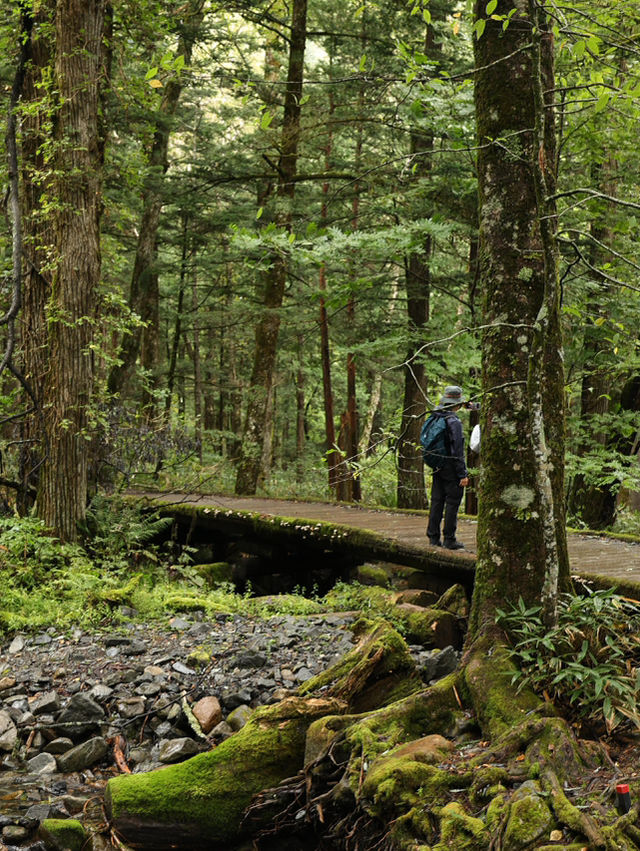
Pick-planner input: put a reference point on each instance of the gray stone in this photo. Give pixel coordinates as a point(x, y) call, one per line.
point(135, 648)
point(131, 706)
point(17, 645)
point(83, 756)
point(446, 662)
point(8, 732)
point(250, 659)
point(101, 692)
point(303, 674)
point(81, 716)
point(177, 750)
point(181, 668)
point(14, 833)
point(222, 731)
point(231, 700)
point(46, 703)
point(239, 717)
point(58, 746)
point(44, 763)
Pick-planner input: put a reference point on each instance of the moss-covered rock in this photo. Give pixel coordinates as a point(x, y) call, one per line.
point(529, 821)
point(202, 800)
point(63, 834)
point(371, 574)
point(460, 831)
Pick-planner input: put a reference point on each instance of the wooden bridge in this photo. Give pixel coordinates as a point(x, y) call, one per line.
point(383, 535)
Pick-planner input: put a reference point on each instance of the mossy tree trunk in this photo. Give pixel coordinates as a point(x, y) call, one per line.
point(76, 187)
point(521, 534)
point(37, 239)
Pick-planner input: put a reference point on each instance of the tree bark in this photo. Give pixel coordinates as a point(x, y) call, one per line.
point(521, 534)
point(37, 240)
point(268, 328)
point(62, 494)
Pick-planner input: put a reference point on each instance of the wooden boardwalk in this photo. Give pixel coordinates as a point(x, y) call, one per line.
point(588, 554)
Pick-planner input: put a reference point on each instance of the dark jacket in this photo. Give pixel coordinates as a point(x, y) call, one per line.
point(455, 464)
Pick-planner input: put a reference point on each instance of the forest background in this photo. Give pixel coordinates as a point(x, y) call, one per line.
point(279, 272)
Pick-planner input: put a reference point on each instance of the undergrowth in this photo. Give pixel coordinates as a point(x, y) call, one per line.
point(589, 664)
point(122, 570)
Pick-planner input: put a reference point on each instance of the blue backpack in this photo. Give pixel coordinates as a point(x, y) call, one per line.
point(434, 441)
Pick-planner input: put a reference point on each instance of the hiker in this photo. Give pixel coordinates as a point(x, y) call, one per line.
point(450, 475)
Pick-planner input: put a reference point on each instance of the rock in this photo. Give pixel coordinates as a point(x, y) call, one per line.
point(6, 683)
point(46, 703)
point(43, 763)
point(83, 756)
point(181, 668)
point(208, 712)
point(81, 716)
point(14, 833)
point(63, 834)
point(446, 661)
point(130, 707)
point(101, 692)
point(8, 732)
point(222, 731)
point(417, 597)
point(231, 700)
point(177, 750)
point(250, 659)
point(239, 717)
point(17, 645)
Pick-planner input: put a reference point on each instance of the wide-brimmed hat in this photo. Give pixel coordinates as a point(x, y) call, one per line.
point(452, 396)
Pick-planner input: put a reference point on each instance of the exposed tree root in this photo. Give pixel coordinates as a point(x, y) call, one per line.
point(385, 781)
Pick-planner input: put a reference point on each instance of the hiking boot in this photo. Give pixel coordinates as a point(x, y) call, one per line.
point(435, 542)
point(453, 545)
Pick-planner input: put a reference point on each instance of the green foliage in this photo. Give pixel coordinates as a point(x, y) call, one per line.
point(589, 664)
point(119, 533)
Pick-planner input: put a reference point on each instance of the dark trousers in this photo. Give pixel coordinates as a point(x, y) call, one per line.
point(446, 496)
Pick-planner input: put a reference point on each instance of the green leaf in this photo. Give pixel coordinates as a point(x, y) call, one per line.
point(266, 120)
point(151, 73)
point(491, 6)
point(479, 26)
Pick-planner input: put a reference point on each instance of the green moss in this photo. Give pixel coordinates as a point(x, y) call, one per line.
point(378, 671)
point(371, 574)
point(216, 573)
point(488, 675)
point(529, 820)
point(460, 831)
point(204, 797)
point(63, 834)
point(397, 780)
point(497, 811)
point(199, 658)
point(186, 603)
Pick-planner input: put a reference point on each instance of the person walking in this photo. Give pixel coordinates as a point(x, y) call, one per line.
point(450, 475)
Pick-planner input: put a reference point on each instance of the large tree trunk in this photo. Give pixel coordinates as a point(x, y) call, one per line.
point(521, 535)
point(62, 494)
point(268, 328)
point(144, 293)
point(37, 239)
